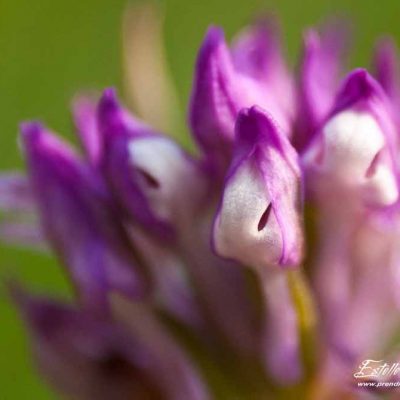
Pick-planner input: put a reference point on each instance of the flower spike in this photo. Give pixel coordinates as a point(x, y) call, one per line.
point(220, 239)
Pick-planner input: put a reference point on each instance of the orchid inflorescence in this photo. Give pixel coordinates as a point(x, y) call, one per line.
point(265, 266)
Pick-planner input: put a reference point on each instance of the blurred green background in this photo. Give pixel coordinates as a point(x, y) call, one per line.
point(50, 49)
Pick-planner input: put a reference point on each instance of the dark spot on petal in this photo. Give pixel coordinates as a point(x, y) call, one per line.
point(148, 178)
point(372, 167)
point(264, 218)
point(127, 381)
point(114, 363)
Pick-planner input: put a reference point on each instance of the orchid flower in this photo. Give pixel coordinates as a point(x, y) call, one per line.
point(264, 266)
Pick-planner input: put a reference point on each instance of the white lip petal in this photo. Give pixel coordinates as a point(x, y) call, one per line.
point(239, 232)
point(351, 142)
point(165, 166)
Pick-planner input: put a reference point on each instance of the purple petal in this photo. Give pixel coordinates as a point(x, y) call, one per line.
point(257, 53)
point(387, 69)
point(84, 113)
point(258, 222)
point(320, 67)
point(215, 95)
point(78, 219)
point(221, 90)
point(256, 50)
point(115, 121)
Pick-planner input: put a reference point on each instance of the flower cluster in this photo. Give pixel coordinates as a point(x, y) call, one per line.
point(265, 266)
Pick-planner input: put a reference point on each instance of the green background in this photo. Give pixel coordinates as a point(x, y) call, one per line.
point(49, 49)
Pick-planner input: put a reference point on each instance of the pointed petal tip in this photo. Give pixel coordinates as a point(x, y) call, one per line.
point(257, 111)
point(84, 113)
point(358, 85)
point(109, 99)
point(359, 77)
point(35, 139)
point(245, 131)
point(254, 124)
point(244, 113)
point(386, 67)
point(254, 111)
point(331, 40)
point(214, 97)
point(386, 43)
point(110, 92)
point(31, 131)
point(334, 35)
point(82, 103)
point(212, 41)
point(254, 114)
point(214, 35)
point(39, 142)
point(311, 38)
point(111, 119)
point(385, 60)
point(359, 74)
